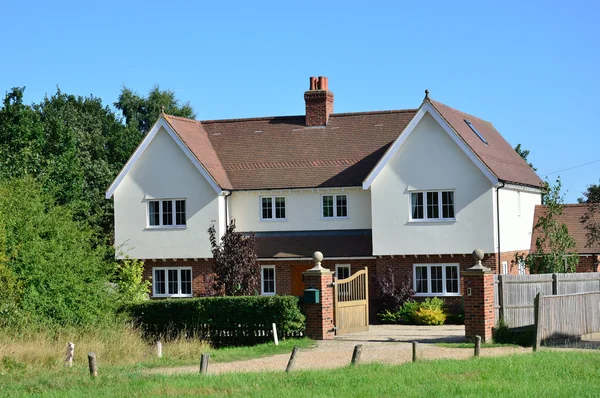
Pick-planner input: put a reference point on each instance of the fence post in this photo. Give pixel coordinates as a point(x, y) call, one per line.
point(356, 354)
point(204, 363)
point(159, 349)
point(292, 359)
point(275, 339)
point(92, 364)
point(501, 296)
point(554, 284)
point(477, 345)
point(70, 355)
point(415, 347)
point(537, 313)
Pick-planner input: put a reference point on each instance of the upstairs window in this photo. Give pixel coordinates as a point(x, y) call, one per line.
point(432, 205)
point(334, 206)
point(166, 213)
point(272, 208)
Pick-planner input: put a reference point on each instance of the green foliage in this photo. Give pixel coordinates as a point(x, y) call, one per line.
point(432, 311)
point(524, 153)
point(62, 273)
point(142, 112)
point(428, 316)
point(405, 314)
point(554, 245)
point(222, 320)
point(591, 194)
point(389, 317)
point(129, 278)
point(590, 219)
point(237, 271)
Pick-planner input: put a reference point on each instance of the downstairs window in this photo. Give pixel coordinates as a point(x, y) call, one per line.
point(436, 280)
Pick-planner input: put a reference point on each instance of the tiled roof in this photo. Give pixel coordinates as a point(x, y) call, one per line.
point(281, 152)
point(498, 155)
point(353, 243)
point(572, 218)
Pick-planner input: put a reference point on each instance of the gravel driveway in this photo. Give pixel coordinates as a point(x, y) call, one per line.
point(382, 343)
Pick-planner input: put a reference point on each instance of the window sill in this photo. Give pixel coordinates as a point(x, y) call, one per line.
point(437, 295)
point(273, 219)
point(432, 221)
point(165, 227)
point(334, 218)
point(172, 296)
point(268, 294)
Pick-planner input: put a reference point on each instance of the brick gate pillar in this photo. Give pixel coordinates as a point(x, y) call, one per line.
point(319, 316)
point(478, 281)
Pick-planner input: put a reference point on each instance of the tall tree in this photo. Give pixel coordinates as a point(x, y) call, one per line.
point(142, 112)
point(235, 266)
point(591, 218)
point(553, 245)
point(524, 153)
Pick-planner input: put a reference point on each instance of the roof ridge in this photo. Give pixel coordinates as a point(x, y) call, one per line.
point(390, 111)
point(461, 112)
point(183, 119)
point(249, 119)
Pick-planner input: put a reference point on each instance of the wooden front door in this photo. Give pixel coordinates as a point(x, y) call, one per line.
point(297, 283)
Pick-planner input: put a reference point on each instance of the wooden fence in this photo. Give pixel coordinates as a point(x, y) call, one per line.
point(566, 316)
point(514, 294)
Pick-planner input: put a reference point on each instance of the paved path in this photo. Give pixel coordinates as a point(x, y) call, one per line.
point(382, 343)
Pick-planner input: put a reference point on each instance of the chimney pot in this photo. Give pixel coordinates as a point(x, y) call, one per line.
point(313, 83)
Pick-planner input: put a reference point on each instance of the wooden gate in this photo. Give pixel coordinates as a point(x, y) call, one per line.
point(351, 303)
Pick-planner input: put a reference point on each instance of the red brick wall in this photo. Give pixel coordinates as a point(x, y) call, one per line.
point(201, 272)
point(479, 305)
point(319, 105)
point(588, 264)
point(319, 317)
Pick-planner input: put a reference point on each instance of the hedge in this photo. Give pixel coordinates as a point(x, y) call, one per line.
point(223, 321)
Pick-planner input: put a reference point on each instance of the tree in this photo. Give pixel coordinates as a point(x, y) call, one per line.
point(524, 153)
point(129, 278)
point(235, 266)
point(591, 222)
point(61, 274)
point(142, 112)
point(553, 245)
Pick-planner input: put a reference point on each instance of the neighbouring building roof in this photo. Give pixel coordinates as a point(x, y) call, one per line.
point(281, 152)
point(302, 244)
point(572, 218)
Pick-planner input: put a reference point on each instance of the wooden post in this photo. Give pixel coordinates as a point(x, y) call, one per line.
point(204, 364)
point(356, 354)
point(415, 346)
point(477, 345)
point(537, 314)
point(92, 364)
point(275, 339)
point(70, 354)
point(159, 349)
point(292, 359)
point(501, 297)
point(554, 284)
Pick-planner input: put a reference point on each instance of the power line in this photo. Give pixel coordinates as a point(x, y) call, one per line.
point(571, 168)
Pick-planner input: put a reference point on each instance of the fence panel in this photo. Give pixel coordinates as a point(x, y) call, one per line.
point(568, 316)
point(514, 294)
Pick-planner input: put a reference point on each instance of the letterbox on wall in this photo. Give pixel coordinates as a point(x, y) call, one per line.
point(311, 296)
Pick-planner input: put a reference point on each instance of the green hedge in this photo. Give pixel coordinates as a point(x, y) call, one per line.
point(223, 321)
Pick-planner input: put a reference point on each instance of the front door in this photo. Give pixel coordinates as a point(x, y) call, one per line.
point(297, 283)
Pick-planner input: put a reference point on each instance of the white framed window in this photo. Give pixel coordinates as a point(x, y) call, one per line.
point(172, 282)
point(334, 206)
point(267, 280)
point(432, 205)
point(272, 208)
point(342, 271)
point(505, 267)
point(521, 267)
point(167, 213)
point(436, 279)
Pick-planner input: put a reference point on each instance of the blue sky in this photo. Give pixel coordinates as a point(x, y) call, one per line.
point(531, 68)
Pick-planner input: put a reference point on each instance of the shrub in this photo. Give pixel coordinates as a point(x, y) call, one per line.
point(389, 317)
point(405, 314)
point(523, 336)
point(429, 316)
point(129, 277)
point(222, 321)
point(392, 296)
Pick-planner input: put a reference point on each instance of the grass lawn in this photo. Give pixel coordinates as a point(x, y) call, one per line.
point(546, 373)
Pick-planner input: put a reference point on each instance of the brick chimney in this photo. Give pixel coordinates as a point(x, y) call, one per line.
point(319, 102)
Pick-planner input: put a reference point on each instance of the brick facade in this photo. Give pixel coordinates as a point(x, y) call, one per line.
point(588, 264)
point(479, 304)
point(319, 105)
point(201, 272)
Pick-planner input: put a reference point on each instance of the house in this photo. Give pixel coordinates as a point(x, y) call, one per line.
point(589, 255)
point(416, 190)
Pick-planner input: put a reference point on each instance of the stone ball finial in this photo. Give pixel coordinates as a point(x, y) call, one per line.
point(478, 254)
point(317, 257)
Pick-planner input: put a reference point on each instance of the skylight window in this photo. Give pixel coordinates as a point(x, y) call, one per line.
point(476, 132)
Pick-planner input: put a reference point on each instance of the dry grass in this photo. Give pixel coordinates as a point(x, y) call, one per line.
point(113, 345)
